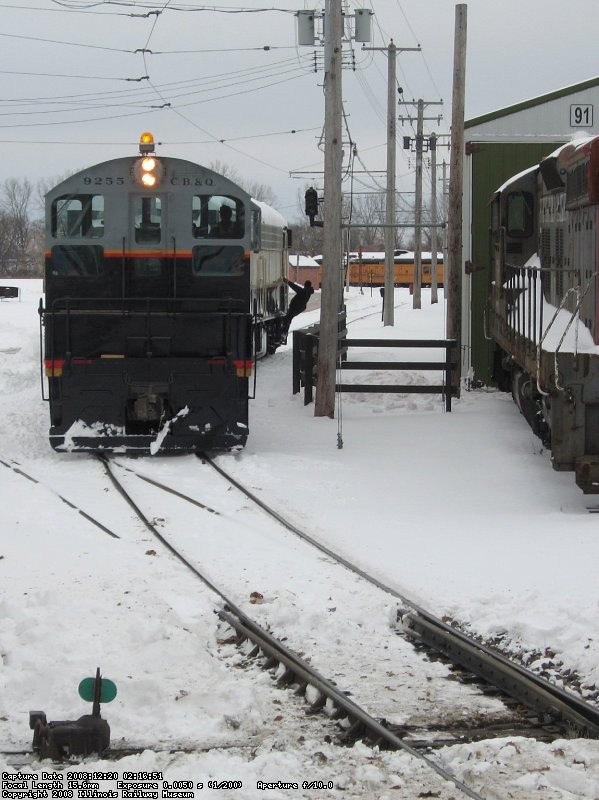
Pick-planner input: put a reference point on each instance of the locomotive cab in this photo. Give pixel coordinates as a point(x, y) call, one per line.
point(513, 226)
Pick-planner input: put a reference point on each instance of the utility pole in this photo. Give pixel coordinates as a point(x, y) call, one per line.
point(388, 304)
point(444, 207)
point(416, 299)
point(420, 143)
point(332, 279)
point(433, 150)
point(388, 307)
point(454, 219)
point(324, 405)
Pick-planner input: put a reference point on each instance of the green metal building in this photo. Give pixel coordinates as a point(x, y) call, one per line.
point(497, 146)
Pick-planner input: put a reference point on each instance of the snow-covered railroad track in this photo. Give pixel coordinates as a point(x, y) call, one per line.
point(295, 670)
point(16, 467)
point(376, 663)
point(553, 705)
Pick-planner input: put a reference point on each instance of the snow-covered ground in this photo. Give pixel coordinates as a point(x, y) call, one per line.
point(461, 512)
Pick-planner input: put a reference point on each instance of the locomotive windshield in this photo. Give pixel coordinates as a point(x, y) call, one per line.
point(519, 215)
point(78, 216)
point(147, 212)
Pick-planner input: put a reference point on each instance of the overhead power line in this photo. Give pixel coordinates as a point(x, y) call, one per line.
point(146, 107)
point(256, 48)
point(166, 143)
point(158, 8)
point(65, 75)
point(176, 90)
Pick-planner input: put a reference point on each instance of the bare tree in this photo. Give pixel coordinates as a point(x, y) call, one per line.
point(254, 188)
point(15, 229)
point(226, 170)
point(307, 241)
point(17, 197)
point(369, 210)
point(6, 241)
point(43, 186)
point(37, 242)
point(260, 191)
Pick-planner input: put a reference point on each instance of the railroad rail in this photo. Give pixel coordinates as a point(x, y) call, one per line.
point(300, 670)
point(16, 468)
point(487, 663)
point(553, 705)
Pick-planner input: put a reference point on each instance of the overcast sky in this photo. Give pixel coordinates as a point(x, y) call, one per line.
point(82, 79)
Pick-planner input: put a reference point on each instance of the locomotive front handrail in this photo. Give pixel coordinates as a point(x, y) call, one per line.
point(575, 315)
point(40, 311)
point(115, 304)
point(227, 309)
point(525, 318)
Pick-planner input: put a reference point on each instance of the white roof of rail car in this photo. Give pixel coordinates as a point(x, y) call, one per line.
point(576, 141)
point(405, 257)
point(270, 216)
point(513, 178)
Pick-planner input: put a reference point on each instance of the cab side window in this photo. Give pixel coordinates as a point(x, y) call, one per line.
point(215, 216)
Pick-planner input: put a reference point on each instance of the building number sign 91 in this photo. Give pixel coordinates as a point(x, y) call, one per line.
point(581, 116)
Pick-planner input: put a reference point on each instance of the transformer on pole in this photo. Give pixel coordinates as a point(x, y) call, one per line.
point(332, 278)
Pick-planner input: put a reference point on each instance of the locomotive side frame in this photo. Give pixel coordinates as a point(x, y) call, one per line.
point(543, 306)
point(154, 313)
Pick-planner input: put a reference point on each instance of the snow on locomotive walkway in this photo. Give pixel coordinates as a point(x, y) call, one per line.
point(462, 512)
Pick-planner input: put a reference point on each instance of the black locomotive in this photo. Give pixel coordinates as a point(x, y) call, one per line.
point(163, 284)
point(544, 302)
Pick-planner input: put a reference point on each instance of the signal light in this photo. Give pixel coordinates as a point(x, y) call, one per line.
point(311, 207)
point(148, 171)
point(311, 198)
